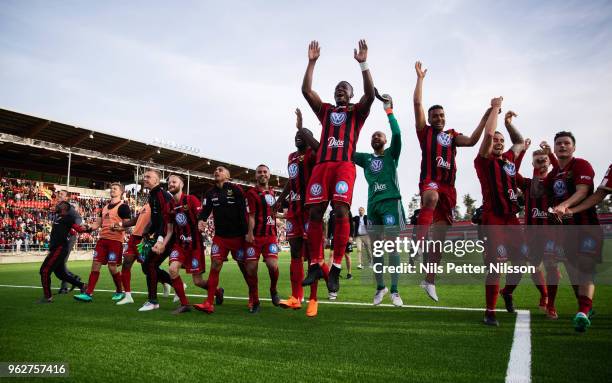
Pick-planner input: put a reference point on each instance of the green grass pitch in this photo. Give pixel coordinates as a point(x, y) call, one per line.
point(103, 342)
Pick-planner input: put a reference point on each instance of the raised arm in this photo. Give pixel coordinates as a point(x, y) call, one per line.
point(475, 136)
point(306, 135)
point(551, 156)
point(419, 112)
point(517, 140)
point(311, 96)
point(395, 148)
point(361, 56)
point(489, 130)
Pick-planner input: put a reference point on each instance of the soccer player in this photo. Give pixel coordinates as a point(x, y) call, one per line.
point(498, 178)
point(385, 210)
point(261, 237)
point(299, 168)
point(540, 240)
point(62, 195)
point(158, 201)
point(333, 176)
point(187, 247)
point(438, 171)
point(227, 203)
point(59, 248)
point(571, 182)
point(109, 248)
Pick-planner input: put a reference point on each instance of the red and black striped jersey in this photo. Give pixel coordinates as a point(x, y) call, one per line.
point(340, 130)
point(259, 203)
point(438, 151)
point(498, 181)
point(184, 217)
point(537, 201)
point(299, 168)
point(562, 184)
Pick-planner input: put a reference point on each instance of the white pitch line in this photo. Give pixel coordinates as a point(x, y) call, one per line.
point(519, 365)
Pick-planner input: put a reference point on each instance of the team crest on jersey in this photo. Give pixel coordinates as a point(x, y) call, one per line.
point(510, 169)
point(270, 199)
point(444, 139)
point(376, 165)
point(112, 256)
point(214, 249)
point(559, 188)
point(389, 220)
point(273, 248)
point(288, 227)
point(293, 170)
point(316, 190)
point(181, 219)
point(342, 187)
point(195, 263)
point(250, 252)
point(174, 254)
point(239, 254)
point(337, 118)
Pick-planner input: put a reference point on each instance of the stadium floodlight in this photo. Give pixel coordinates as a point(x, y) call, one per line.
point(207, 162)
point(158, 151)
point(91, 135)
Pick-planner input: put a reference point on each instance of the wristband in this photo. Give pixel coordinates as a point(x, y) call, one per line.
point(389, 111)
point(363, 66)
point(160, 239)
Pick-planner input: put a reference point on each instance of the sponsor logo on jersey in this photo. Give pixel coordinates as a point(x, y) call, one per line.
point(181, 219)
point(389, 219)
point(432, 185)
point(270, 221)
point(288, 227)
point(333, 142)
point(195, 263)
point(174, 254)
point(559, 188)
point(512, 195)
point(342, 187)
point(273, 248)
point(250, 252)
point(337, 118)
point(379, 187)
point(588, 178)
point(510, 169)
point(537, 213)
point(444, 139)
point(293, 170)
point(185, 238)
point(316, 189)
point(293, 196)
point(442, 164)
point(214, 249)
point(270, 199)
point(376, 165)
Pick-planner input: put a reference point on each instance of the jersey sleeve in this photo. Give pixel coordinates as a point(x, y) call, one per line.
point(360, 159)
point(251, 201)
point(519, 159)
point(583, 173)
point(395, 147)
point(422, 134)
point(323, 111)
point(206, 209)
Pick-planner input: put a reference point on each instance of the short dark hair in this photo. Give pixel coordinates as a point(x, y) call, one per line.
point(177, 176)
point(159, 174)
point(434, 107)
point(265, 166)
point(539, 152)
point(563, 133)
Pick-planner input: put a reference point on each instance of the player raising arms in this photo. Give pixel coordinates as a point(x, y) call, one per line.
point(299, 168)
point(498, 178)
point(570, 183)
point(384, 200)
point(226, 202)
point(333, 176)
point(261, 237)
point(109, 247)
point(438, 171)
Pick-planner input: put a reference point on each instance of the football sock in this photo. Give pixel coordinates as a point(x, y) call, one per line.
point(342, 231)
point(117, 280)
point(273, 272)
point(296, 275)
point(394, 260)
point(126, 279)
point(552, 284)
point(93, 279)
point(433, 259)
point(315, 241)
point(540, 282)
point(585, 304)
point(492, 291)
point(380, 283)
point(213, 282)
point(424, 221)
point(177, 283)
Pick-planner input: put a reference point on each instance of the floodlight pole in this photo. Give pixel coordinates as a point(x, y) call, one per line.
point(69, 163)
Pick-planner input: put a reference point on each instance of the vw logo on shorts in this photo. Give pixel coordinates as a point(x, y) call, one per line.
point(316, 190)
point(270, 199)
point(389, 219)
point(559, 188)
point(95, 253)
point(337, 118)
point(524, 249)
point(181, 219)
point(376, 165)
point(195, 263)
point(214, 248)
point(588, 245)
point(250, 252)
point(444, 139)
point(510, 169)
point(342, 187)
point(273, 248)
point(112, 256)
point(501, 251)
point(293, 170)
point(174, 254)
point(550, 246)
point(288, 227)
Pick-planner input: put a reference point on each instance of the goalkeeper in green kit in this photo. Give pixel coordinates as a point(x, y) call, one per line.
point(385, 211)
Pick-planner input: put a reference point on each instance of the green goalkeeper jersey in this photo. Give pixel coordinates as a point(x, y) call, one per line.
point(381, 171)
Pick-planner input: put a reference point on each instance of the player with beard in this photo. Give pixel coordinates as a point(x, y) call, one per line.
point(333, 176)
point(226, 202)
point(570, 183)
point(540, 245)
point(385, 210)
point(261, 239)
point(438, 172)
point(498, 178)
point(109, 248)
point(299, 168)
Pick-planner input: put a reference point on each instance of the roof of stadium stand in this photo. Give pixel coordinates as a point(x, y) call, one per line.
point(34, 143)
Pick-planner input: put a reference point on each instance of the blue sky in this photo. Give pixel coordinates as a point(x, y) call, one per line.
point(226, 76)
